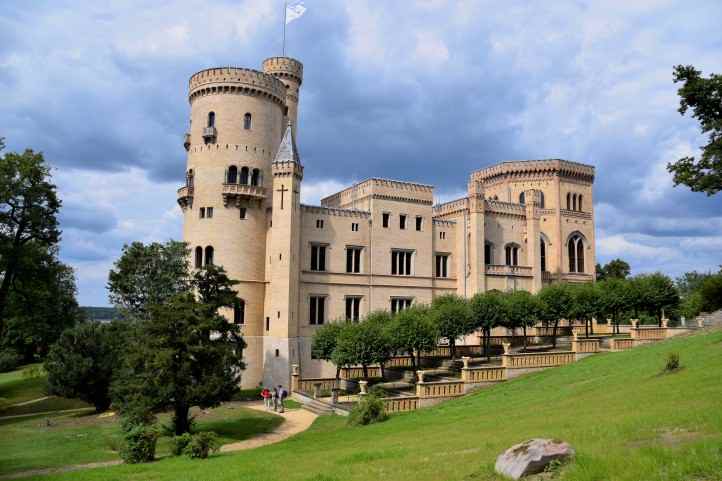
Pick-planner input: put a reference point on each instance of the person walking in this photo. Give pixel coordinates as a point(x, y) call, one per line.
point(281, 396)
point(266, 395)
point(274, 399)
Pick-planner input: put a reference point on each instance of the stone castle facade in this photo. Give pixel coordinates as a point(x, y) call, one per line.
point(379, 244)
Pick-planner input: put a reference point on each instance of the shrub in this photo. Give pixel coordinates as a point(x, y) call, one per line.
point(202, 444)
point(9, 360)
point(672, 363)
point(180, 443)
point(139, 444)
point(369, 410)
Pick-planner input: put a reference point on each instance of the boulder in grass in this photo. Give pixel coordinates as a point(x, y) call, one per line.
point(531, 457)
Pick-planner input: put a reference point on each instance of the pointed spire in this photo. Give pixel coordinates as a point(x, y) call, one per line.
point(287, 151)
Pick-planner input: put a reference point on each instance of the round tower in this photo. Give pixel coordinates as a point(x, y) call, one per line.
point(290, 72)
point(237, 121)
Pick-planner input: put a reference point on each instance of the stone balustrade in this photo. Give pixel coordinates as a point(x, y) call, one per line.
point(400, 404)
point(474, 375)
point(648, 333)
point(313, 385)
point(439, 389)
point(537, 359)
point(399, 361)
point(585, 345)
point(357, 372)
point(621, 343)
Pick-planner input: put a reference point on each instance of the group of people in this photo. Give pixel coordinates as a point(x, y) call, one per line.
point(273, 398)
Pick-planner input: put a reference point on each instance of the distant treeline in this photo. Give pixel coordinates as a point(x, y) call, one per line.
point(100, 313)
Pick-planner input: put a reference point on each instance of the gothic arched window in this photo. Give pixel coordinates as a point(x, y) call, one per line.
point(199, 257)
point(574, 202)
point(569, 201)
point(247, 121)
point(522, 198)
point(211, 119)
point(189, 178)
point(575, 249)
point(255, 177)
point(209, 256)
point(511, 252)
point(543, 254)
point(239, 312)
point(232, 174)
point(488, 253)
point(579, 203)
point(541, 200)
point(244, 176)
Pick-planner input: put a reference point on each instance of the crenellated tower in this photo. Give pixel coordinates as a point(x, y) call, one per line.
point(237, 121)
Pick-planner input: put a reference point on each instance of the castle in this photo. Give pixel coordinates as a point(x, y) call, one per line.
point(379, 244)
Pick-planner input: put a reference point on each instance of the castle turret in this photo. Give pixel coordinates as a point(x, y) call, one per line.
point(290, 72)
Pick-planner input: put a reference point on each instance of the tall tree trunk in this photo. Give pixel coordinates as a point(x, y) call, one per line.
point(180, 418)
point(414, 353)
point(523, 330)
point(366, 371)
point(554, 333)
point(452, 347)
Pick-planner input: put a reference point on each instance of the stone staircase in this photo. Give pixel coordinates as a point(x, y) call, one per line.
point(317, 407)
point(711, 319)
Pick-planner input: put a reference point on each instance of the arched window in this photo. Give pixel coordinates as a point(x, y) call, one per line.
point(232, 174)
point(255, 176)
point(574, 202)
point(244, 176)
point(209, 256)
point(569, 201)
point(511, 252)
point(247, 121)
point(211, 119)
point(522, 198)
point(575, 249)
point(189, 178)
point(488, 253)
point(543, 254)
point(239, 312)
point(579, 203)
point(541, 199)
point(199, 257)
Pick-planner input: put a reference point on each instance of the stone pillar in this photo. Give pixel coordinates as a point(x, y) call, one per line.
point(295, 377)
point(665, 323)
point(476, 237)
point(363, 388)
point(505, 356)
point(465, 369)
point(533, 238)
point(334, 395)
point(316, 390)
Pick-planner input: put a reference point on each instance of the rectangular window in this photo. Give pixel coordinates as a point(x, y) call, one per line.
point(316, 311)
point(353, 260)
point(319, 223)
point(268, 323)
point(401, 262)
point(202, 212)
point(242, 211)
point(419, 222)
point(318, 257)
point(354, 227)
point(398, 304)
point(487, 254)
point(209, 212)
point(402, 221)
point(442, 265)
point(353, 308)
point(385, 220)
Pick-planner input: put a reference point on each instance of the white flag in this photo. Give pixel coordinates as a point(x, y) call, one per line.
point(294, 10)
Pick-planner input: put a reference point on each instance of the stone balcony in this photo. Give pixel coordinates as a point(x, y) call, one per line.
point(187, 141)
point(209, 133)
point(185, 196)
point(514, 271)
point(234, 193)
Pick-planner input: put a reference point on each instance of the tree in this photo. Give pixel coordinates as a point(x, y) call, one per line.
point(585, 304)
point(28, 215)
point(41, 303)
point(614, 300)
point(452, 318)
point(184, 354)
point(81, 364)
point(555, 304)
point(711, 293)
point(656, 294)
point(412, 331)
point(703, 96)
point(690, 282)
point(324, 343)
point(147, 275)
point(520, 309)
point(614, 269)
point(363, 343)
point(486, 314)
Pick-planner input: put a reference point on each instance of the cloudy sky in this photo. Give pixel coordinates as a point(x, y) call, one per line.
point(425, 91)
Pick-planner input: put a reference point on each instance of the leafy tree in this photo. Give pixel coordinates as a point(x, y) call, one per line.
point(147, 275)
point(41, 303)
point(184, 354)
point(585, 304)
point(692, 305)
point(364, 343)
point(28, 215)
point(614, 269)
point(324, 343)
point(413, 332)
point(690, 282)
point(711, 293)
point(655, 294)
point(556, 302)
point(452, 317)
point(82, 362)
point(613, 300)
point(703, 96)
point(486, 314)
point(520, 309)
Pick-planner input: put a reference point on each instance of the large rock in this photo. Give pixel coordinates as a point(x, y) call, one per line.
point(531, 457)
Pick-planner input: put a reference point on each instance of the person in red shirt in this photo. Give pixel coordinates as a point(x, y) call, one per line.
point(266, 395)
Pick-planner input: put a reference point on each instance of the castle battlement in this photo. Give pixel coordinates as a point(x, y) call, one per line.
point(549, 167)
point(236, 80)
point(319, 209)
point(284, 67)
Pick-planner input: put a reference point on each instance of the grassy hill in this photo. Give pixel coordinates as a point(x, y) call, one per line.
point(626, 419)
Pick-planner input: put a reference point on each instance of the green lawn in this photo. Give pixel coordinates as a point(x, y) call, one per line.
point(19, 386)
point(627, 421)
point(65, 439)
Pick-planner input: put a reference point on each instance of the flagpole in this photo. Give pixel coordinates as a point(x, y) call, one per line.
point(285, 10)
